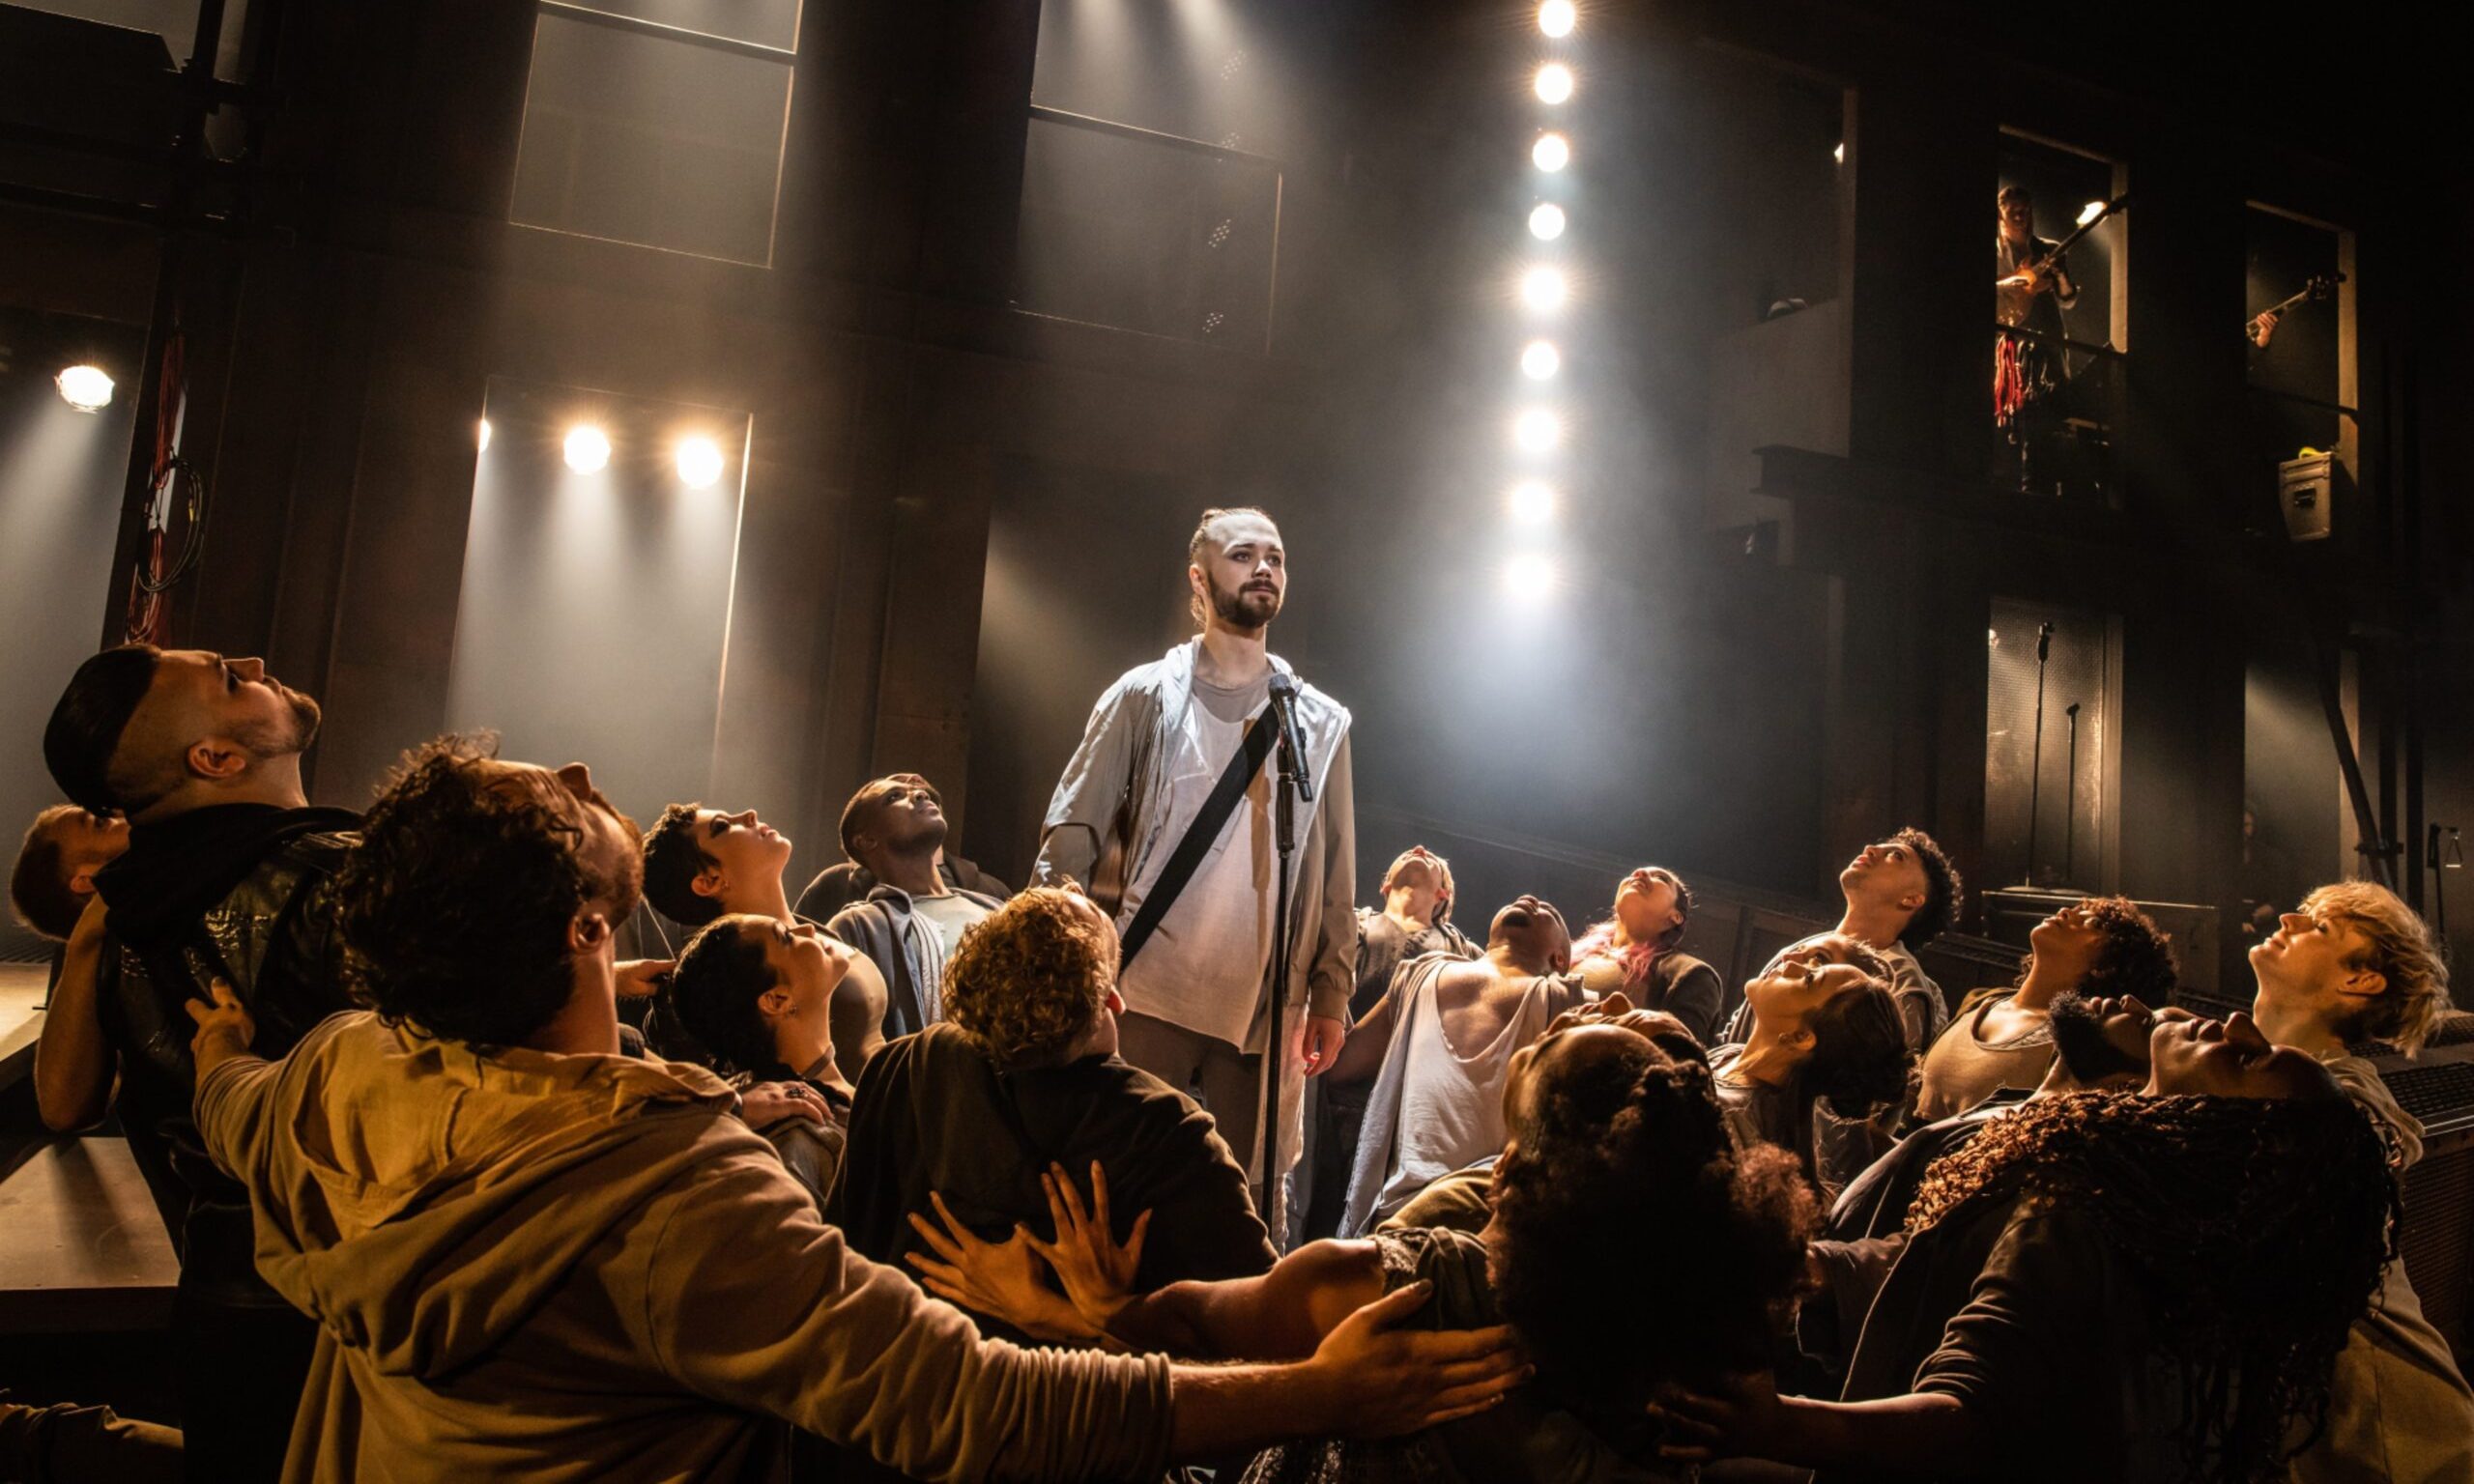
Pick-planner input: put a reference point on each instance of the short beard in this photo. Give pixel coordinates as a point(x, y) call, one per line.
point(2078, 1039)
point(288, 737)
point(1242, 609)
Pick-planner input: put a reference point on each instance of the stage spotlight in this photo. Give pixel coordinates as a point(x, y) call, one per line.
point(1838, 152)
point(2090, 212)
point(1551, 153)
point(1554, 83)
point(1555, 17)
point(1542, 288)
point(1547, 222)
point(1537, 430)
point(700, 462)
point(87, 389)
point(1529, 576)
point(485, 434)
point(588, 449)
point(1532, 502)
point(1540, 360)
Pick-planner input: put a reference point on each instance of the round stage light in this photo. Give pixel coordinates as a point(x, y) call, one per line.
point(2090, 212)
point(588, 449)
point(485, 434)
point(1542, 288)
point(1540, 360)
point(1547, 222)
point(1555, 17)
point(1529, 576)
point(700, 462)
point(87, 389)
point(1532, 502)
point(1537, 430)
point(1551, 153)
point(1554, 83)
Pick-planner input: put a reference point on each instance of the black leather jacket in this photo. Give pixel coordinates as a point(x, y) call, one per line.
point(236, 892)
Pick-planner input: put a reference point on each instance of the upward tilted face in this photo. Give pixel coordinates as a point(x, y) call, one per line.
point(1242, 572)
point(742, 846)
point(1808, 976)
point(2231, 1058)
point(2068, 941)
point(1886, 873)
point(1419, 872)
point(2312, 961)
point(1645, 904)
point(1532, 928)
point(807, 963)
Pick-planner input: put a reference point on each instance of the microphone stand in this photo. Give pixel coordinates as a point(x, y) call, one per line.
point(2036, 754)
point(1290, 783)
point(2070, 801)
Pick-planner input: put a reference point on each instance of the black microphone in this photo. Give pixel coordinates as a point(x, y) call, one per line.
point(1283, 704)
point(2044, 640)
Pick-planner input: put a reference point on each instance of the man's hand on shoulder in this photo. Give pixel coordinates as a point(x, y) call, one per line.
point(224, 1029)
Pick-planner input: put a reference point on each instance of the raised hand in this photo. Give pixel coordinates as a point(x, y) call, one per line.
point(1391, 1381)
point(999, 1280)
point(224, 1029)
point(1097, 1274)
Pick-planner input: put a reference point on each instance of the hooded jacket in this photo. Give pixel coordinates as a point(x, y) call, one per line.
point(230, 891)
point(886, 927)
point(573, 1268)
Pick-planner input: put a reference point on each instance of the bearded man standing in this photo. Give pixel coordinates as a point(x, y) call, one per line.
point(1160, 745)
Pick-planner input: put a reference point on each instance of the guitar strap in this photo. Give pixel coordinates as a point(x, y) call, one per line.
point(1234, 780)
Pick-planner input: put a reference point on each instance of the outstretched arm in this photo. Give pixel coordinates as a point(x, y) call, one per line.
point(1931, 1435)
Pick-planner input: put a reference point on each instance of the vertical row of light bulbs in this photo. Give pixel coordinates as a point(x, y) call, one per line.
point(1538, 432)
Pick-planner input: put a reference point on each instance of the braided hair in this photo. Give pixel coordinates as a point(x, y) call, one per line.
point(2256, 1230)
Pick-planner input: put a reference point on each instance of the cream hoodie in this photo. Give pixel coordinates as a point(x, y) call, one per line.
point(582, 1267)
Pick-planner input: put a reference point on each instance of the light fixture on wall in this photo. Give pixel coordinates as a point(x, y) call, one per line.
point(1537, 430)
point(1551, 153)
point(1542, 288)
point(85, 388)
point(1540, 360)
point(1554, 83)
point(588, 449)
point(1555, 17)
point(1530, 502)
point(700, 462)
point(1546, 221)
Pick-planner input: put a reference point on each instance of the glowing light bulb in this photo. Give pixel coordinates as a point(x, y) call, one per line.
point(87, 389)
point(1542, 288)
point(1551, 153)
point(588, 449)
point(1529, 576)
point(1537, 430)
point(1838, 152)
point(700, 462)
point(485, 434)
point(1532, 502)
point(1547, 222)
point(1554, 83)
point(1555, 17)
point(1540, 360)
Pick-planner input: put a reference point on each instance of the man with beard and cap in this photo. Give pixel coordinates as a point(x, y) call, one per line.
point(1197, 973)
point(911, 921)
point(224, 880)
